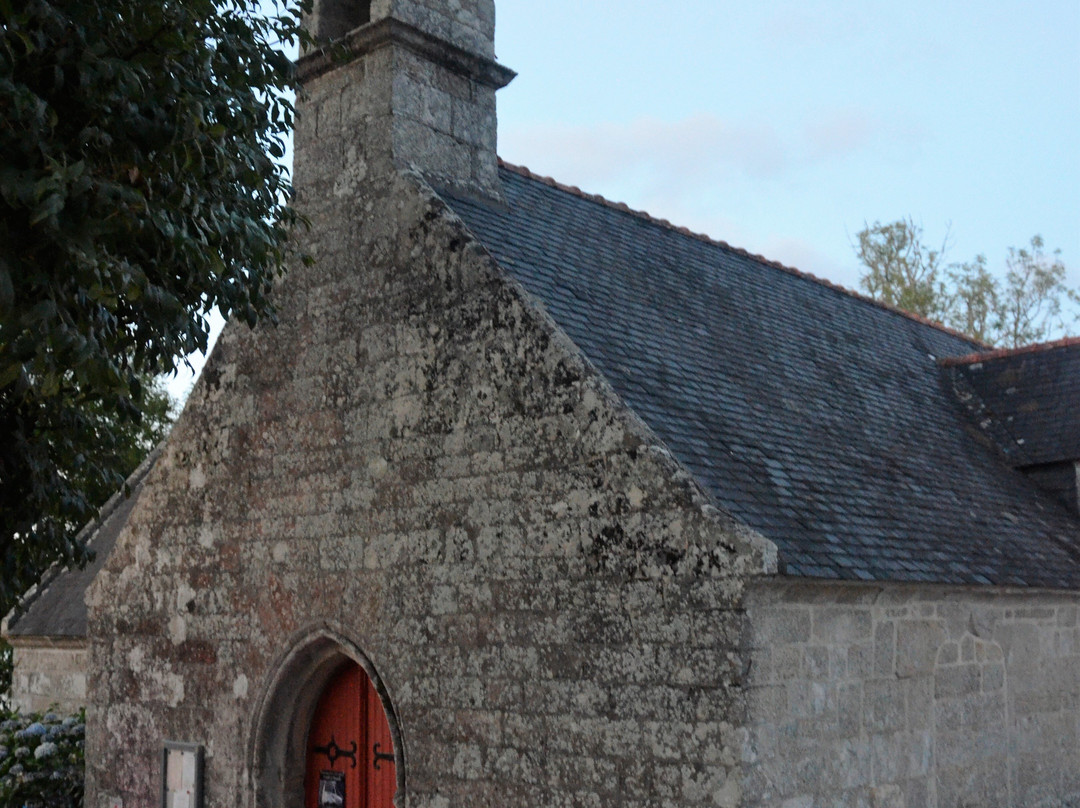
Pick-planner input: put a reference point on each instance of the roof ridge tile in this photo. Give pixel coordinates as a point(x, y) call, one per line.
point(1003, 353)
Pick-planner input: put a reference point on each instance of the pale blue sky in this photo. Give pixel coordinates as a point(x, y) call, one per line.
point(783, 126)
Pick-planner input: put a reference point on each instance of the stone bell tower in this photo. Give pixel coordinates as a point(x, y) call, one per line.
point(394, 84)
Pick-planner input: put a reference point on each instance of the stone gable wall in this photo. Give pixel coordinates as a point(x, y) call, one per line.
point(912, 697)
point(416, 457)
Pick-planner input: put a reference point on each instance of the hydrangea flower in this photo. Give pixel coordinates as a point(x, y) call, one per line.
point(35, 730)
point(55, 769)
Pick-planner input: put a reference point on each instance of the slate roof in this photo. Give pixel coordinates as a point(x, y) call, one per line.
point(56, 608)
point(1026, 400)
point(818, 418)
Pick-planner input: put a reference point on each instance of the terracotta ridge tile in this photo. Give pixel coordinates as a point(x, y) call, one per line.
point(622, 206)
point(1003, 353)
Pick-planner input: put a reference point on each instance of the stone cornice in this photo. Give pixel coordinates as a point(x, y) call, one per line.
point(389, 31)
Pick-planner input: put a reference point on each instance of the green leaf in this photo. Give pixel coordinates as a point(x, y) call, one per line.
point(28, 43)
point(50, 206)
point(137, 194)
point(9, 373)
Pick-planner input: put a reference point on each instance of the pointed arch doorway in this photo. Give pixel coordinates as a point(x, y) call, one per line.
point(285, 719)
point(350, 751)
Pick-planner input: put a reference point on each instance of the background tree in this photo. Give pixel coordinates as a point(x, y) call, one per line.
point(97, 448)
point(1031, 303)
point(1030, 308)
point(974, 305)
point(139, 189)
point(900, 269)
point(125, 445)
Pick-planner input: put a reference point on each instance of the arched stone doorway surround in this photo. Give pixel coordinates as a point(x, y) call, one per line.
point(278, 744)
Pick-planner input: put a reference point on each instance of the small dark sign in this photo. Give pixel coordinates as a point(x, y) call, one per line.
point(331, 789)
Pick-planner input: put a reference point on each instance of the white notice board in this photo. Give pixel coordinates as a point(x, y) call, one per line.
point(181, 775)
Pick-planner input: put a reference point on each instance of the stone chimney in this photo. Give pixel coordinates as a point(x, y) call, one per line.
point(394, 84)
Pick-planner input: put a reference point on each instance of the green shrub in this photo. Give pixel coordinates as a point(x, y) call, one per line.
point(41, 760)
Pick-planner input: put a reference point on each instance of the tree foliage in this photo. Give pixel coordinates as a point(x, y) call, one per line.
point(900, 269)
point(975, 304)
point(1030, 303)
point(117, 446)
point(139, 189)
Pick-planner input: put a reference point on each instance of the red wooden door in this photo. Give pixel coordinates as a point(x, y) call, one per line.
point(350, 755)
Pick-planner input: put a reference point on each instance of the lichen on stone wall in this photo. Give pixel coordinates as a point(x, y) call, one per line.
point(418, 456)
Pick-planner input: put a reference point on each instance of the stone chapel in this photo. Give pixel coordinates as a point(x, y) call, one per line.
point(530, 499)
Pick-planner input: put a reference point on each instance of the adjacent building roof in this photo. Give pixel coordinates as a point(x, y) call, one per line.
point(818, 418)
point(1026, 400)
point(56, 608)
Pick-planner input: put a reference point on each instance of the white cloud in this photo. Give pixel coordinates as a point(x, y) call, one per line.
point(686, 156)
point(838, 135)
point(739, 182)
point(696, 150)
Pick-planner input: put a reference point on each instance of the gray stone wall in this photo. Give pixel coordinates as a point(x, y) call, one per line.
point(469, 25)
point(388, 98)
point(912, 697)
point(49, 674)
point(418, 459)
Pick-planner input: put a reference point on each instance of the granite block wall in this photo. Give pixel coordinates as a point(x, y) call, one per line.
point(387, 98)
point(417, 461)
point(49, 675)
point(904, 696)
point(467, 25)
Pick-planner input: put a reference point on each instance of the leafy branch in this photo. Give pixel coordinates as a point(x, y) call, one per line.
point(1029, 303)
point(139, 190)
